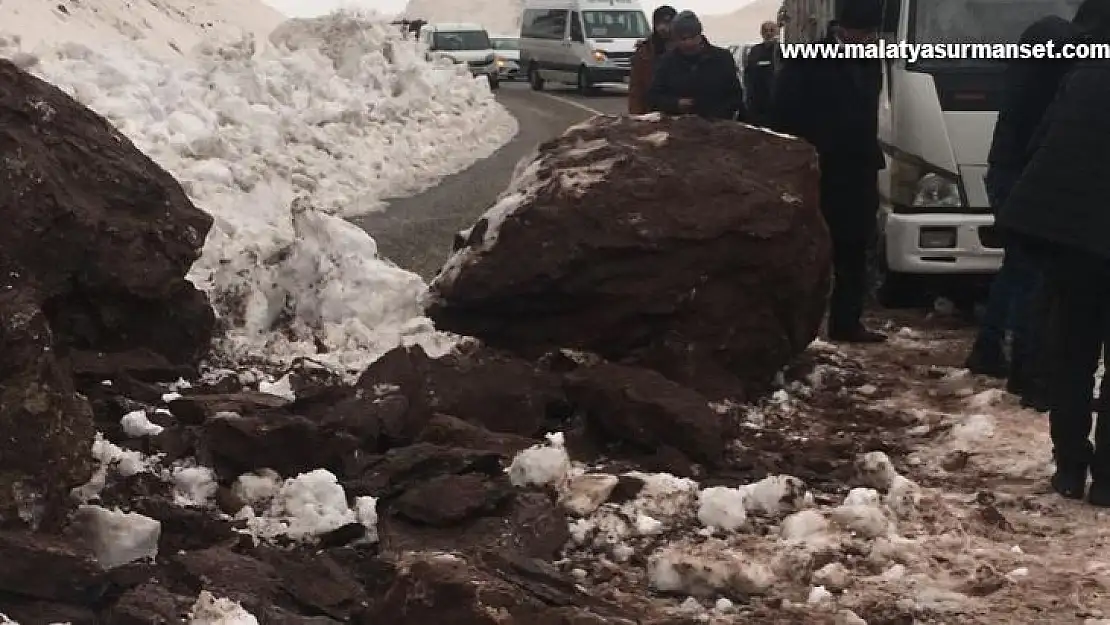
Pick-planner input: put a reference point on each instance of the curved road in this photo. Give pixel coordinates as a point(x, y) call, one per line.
point(416, 232)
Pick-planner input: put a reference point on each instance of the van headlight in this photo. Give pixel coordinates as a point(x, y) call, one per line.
point(600, 56)
point(936, 190)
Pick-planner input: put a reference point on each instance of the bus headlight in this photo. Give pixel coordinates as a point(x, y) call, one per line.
point(936, 190)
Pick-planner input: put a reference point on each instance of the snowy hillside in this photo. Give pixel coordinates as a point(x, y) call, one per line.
point(335, 115)
point(500, 17)
point(163, 28)
point(741, 25)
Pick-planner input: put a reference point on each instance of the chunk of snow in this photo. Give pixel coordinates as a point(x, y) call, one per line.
point(117, 538)
point(706, 570)
point(194, 486)
point(208, 610)
point(723, 508)
point(819, 595)
point(875, 470)
point(136, 424)
point(863, 497)
point(541, 465)
point(804, 525)
point(305, 507)
point(833, 576)
point(282, 387)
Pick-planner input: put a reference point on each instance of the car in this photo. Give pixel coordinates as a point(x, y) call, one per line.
point(507, 49)
point(468, 44)
point(580, 42)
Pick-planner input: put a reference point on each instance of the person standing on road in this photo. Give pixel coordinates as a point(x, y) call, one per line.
point(696, 77)
point(1057, 211)
point(648, 52)
point(1028, 87)
point(834, 105)
point(759, 73)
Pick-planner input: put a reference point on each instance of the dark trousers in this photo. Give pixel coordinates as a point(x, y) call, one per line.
point(1080, 331)
point(850, 204)
point(1011, 303)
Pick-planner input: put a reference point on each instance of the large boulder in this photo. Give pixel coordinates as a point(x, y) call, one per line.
point(695, 248)
point(104, 233)
point(46, 449)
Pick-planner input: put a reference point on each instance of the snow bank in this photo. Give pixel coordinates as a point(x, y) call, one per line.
point(333, 117)
point(164, 29)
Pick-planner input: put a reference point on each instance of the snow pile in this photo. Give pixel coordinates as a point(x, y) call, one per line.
point(164, 29)
point(334, 117)
point(208, 610)
point(117, 537)
point(301, 508)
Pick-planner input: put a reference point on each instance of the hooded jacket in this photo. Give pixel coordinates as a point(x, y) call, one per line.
point(709, 78)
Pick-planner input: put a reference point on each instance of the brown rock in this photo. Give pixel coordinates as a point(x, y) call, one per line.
point(48, 567)
point(447, 430)
point(689, 246)
point(196, 409)
point(105, 234)
point(316, 582)
point(141, 364)
point(238, 577)
point(447, 500)
point(496, 391)
point(48, 428)
point(641, 407)
point(288, 444)
point(149, 604)
point(23, 610)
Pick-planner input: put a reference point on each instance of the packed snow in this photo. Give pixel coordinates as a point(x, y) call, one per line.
point(331, 118)
point(166, 29)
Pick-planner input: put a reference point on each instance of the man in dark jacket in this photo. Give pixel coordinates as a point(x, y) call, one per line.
point(759, 73)
point(696, 77)
point(1058, 210)
point(648, 53)
point(834, 105)
point(1029, 87)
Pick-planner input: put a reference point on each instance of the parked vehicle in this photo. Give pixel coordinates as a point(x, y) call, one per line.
point(580, 42)
point(465, 44)
point(508, 57)
point(936, 123)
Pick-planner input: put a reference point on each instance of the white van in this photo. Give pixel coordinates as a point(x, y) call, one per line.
point(580, 42)
point(463, 43)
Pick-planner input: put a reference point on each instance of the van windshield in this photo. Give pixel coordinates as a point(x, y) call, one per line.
point(501, 43)
point(461, 40)
point(981, 21)
point(615, 25)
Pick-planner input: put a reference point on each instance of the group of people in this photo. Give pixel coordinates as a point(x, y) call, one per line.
point(832, 104)
point(1048, 183)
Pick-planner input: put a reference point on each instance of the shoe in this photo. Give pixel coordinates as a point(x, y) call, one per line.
point(1099, 494)
point(1070, 481)
point(858, 335)
point(989, 360)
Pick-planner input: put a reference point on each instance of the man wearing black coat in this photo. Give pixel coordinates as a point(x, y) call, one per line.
point(696, 77)
point(834, 105)
point(1015, 300)
point(760, 67)
point(1060, 211)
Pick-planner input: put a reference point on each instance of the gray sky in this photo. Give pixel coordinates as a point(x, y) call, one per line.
point(309, 8)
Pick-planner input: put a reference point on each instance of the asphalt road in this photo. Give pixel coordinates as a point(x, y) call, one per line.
point(416, 232)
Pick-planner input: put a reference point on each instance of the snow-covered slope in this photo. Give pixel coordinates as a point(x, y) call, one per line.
point(333, 116)
point(163, 28)
point(741, 25)
point(500, 17)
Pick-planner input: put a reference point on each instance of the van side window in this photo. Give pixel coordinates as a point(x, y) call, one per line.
point(544, 24)
point(576, 34)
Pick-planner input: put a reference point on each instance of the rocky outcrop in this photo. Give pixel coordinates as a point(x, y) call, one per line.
point(695, 248)
point(104, 233)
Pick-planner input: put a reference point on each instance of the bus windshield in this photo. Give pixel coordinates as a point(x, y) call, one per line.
point(615, 25)
point(981, 21)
